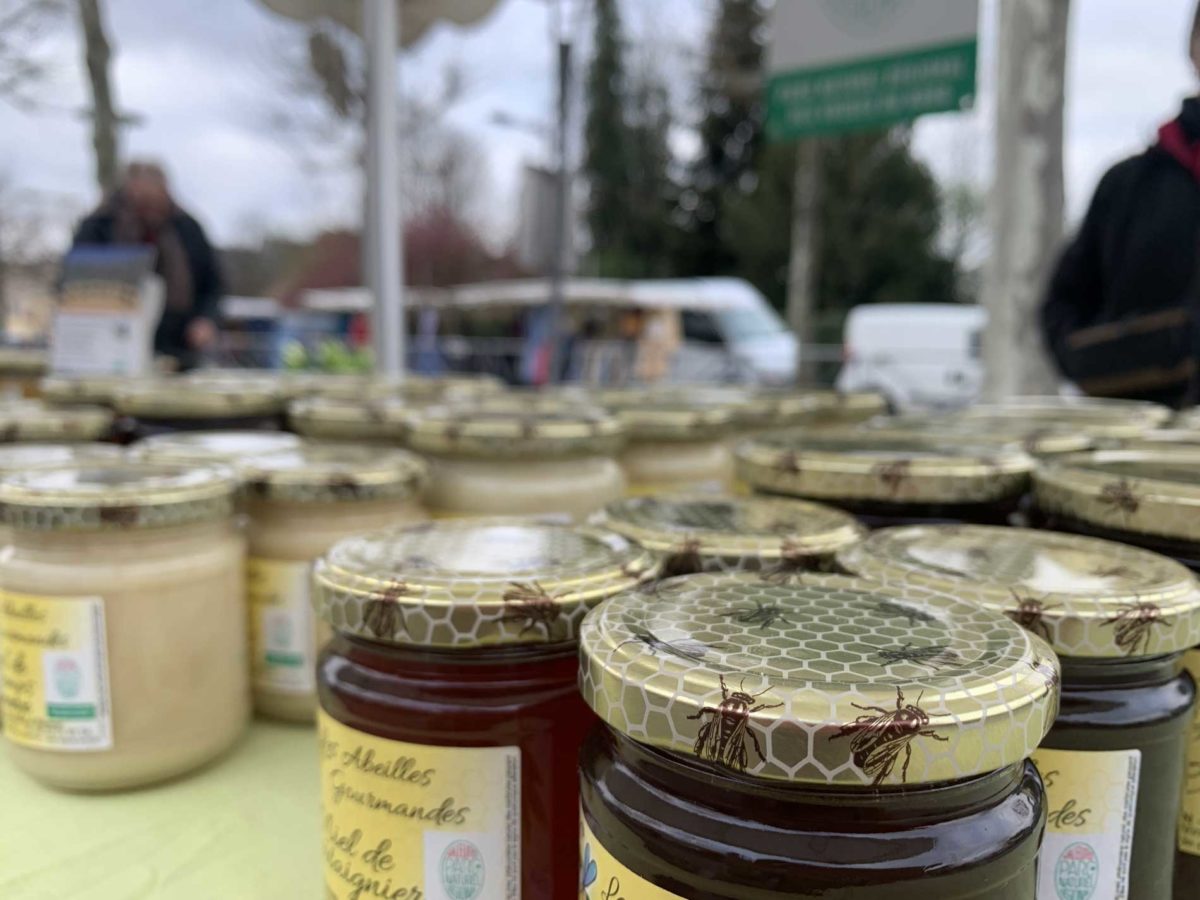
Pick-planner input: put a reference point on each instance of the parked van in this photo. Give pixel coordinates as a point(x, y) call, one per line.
point(918, 355)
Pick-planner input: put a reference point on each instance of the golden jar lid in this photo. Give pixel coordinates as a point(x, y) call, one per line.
point(201, 447)
point(474, 583)
point(510, 431)
point(701, 532)
point(856, 464)
point(821, 680)
point(23, 457)
point(44, 424)
point(102, 496)
point(334, 473)
point(1143, 491)
point(1173, 436)
point(29, 361)
point(72, 389)
point(189, 397)
point(1088, 598)
point(429, 390)
point(837, 408)
point(671, 417)
point(1035, 438)
point(1096, 417)
point(337, 419)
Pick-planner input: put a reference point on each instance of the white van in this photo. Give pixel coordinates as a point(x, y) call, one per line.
point(918, 355)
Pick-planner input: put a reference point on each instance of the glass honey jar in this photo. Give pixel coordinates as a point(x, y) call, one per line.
point(1120, 618)
point(818, 737)
point(694, 533)
point(450, 720)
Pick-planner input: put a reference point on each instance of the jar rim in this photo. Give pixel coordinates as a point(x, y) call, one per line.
point(1090, 598)
point(474, 582)
point(333, 473)
point(819, 679)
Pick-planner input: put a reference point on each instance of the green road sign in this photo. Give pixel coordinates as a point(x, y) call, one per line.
point(848, 65)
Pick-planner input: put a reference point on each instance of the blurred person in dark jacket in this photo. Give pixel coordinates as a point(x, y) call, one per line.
point(1122, 313)
point(141, 212)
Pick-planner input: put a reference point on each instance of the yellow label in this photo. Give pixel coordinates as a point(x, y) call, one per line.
point(414, 822)
point(55, 663)
point(1092, 801)
point(283, 640)
point(1189, 815)
point(603, 878)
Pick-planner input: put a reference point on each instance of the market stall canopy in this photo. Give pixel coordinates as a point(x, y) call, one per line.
point(417, 16)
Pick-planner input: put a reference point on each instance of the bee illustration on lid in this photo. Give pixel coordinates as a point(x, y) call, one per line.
point(1047, 671)
point(1135, 626)
point(933, 657)
point(895, 610)
point(384, 616)
point(725, 736)
point(343, 484)
point(1030, 615)
point(893, 475)
point(876, 741)
point(531, 607)
point(120, 516)
point(685, 559)
point(1120, 497)
point(764, 615)
point(1113, 572)
point(689, 651)
point(792, 561)
point(789, 463)
point(529, 428)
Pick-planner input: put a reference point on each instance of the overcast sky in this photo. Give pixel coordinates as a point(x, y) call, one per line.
point(205, 78)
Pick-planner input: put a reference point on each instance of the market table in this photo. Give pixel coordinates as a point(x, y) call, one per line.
point(245, 828)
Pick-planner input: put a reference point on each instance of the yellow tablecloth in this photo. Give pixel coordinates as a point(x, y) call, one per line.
point(246, 828)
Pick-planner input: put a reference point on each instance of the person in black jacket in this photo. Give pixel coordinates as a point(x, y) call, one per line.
point(1122, 312)
point(142, 212)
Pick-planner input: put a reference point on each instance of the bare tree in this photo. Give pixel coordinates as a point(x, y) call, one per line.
point(1027, 196)
point(322, 113)
point(23, 66)
point(105, 123)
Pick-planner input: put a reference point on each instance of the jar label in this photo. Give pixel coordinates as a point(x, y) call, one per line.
point(1189, 816)
point(1092, 801)
point(283, 643)
point(55, 664)
point(417, 822)
point(601, 877)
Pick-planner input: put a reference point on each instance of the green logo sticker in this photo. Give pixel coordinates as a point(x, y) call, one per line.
point(1076, 873)
point(68, 678)
point(462, 871)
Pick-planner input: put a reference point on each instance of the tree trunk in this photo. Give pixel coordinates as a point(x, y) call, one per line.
point(802, 272)
point(98, 56)
point(1027, 196)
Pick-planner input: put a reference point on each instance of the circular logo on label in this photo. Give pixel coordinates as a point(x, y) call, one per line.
point(67, 678)
point(1076, 873)
point(462, 871)
point(864, 16)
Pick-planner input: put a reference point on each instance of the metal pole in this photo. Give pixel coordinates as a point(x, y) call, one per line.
point(806, 223)
point(561, 236)
point(384, 253)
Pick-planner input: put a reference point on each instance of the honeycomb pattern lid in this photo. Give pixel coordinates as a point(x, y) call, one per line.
point(474, 583)
point(857, 464)
point(334, 473)
point(200, 447)
point(672, 416)
point(708, 532)
point(1142, 491)
point(1159, 438)
point(332, 418)
point(1036, 438)
point(1098, 418)
point(31, 361)
point(199, 398)
point(1091, 599)
point(102, 496)
point(819, 680)
point(70, 389)
point(836, 408)
point(58, 424)
point(514, 430)
point(21, 457)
